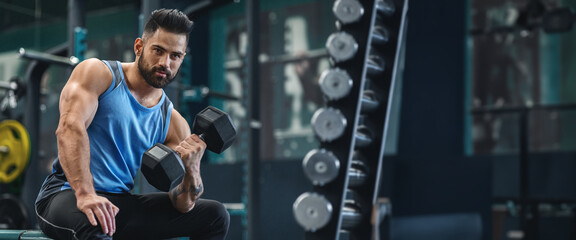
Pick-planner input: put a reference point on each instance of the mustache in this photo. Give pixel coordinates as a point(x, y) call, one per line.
point(162, 69)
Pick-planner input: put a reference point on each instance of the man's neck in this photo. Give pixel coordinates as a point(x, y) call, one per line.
point(145, 94)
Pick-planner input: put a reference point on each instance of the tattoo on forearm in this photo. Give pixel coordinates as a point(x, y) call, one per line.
point(197, 190)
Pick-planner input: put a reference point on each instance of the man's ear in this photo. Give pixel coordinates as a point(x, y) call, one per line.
point(138, 46)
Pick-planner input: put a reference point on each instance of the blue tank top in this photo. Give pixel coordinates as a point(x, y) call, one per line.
point(121, 131)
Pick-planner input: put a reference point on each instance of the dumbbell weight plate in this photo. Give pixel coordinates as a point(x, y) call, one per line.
point(15, 144)
point(321, 166)
point(328, 124)
point(369, 101)
point(385, 7)
point(348, 11)
point(216, 127)
point(335, 83)
point(341, 46)
point(312, 211)
point(380, 35)
point(162, 167)
point(352, 211)
point(375, 65)
point(357, 173)
point(351, 216)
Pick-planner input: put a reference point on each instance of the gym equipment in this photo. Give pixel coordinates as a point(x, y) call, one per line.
point(335, 83)
point(357, 174)
point(385, 7)
point(321, 166)
point(8, 86)
point(23, 235)
point(48, 58)
point(13, 214)
point(351, 215)
point(312, 211)
point(14, 91)
point(199, 93)
point(80, 43)
point(352, 210)
point(370, 101)
point(375, 65)
point(328, 124)
point(341, 46)
point(348, 11)
point(14, 150)
point(380, 35)
point(163, 167)
point(369, 48)
point(364, 136)
point(216, 128)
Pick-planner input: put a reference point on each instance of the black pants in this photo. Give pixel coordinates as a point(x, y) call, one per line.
point(148, 216)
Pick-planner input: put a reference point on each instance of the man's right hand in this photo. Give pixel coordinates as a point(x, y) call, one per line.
point(96, 207)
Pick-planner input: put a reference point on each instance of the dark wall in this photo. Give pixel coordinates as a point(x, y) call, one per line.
point(431, 173)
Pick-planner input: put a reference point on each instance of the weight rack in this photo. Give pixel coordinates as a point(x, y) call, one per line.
point(358, 89)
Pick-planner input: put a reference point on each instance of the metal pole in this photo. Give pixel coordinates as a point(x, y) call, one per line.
point(147, 6)
point(252, 75)
point(76, 18)
point(529, 214)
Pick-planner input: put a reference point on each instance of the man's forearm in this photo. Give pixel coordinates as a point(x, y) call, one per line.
point(74, 155)
point(184, 196)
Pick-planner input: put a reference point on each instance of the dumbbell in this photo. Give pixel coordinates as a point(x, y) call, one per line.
point(341, 46)
point(348, 11)
point(163, 167)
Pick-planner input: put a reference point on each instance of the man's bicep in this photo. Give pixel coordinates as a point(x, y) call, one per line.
point(79, 96)
point(178, 130)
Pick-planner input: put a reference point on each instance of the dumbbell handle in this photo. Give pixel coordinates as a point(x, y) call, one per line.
point(201, 136)
point(4, 149)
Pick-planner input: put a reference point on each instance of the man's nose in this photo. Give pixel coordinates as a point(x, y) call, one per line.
point(165, 61)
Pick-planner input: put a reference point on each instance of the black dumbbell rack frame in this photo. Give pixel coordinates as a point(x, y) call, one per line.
point(350, 106)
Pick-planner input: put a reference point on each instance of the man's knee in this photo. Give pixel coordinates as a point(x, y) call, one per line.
point(216, 214)
point(222, 215)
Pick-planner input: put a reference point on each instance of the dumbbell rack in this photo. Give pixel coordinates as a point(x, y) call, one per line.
point(352, 127)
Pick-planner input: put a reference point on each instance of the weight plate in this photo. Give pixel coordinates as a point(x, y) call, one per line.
point(356, 176)
point(13, 214)
point(385, 7)
point(15, 145)
point(321, 166)
point(348, 11)
point(380, 35)
point(375, 65)
point(335, 83)
point(328, 124)
point(351, 216)
point(341, 46)
point(312, 211)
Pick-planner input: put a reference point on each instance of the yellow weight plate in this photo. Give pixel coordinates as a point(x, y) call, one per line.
point(14, 150)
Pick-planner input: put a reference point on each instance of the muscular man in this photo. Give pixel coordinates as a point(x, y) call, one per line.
point(110, 113)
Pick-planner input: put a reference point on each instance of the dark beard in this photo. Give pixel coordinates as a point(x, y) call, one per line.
point(149, 76)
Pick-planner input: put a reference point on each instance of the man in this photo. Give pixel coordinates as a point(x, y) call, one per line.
point(110, 113)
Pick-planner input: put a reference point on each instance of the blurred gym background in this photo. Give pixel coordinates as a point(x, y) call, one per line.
point(480, 141)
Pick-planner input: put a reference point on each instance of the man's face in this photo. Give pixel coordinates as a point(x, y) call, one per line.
point(159, 57)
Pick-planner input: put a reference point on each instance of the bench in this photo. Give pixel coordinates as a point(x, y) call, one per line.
point(22, 234)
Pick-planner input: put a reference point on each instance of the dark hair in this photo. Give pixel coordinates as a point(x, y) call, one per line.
point(171, 20)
